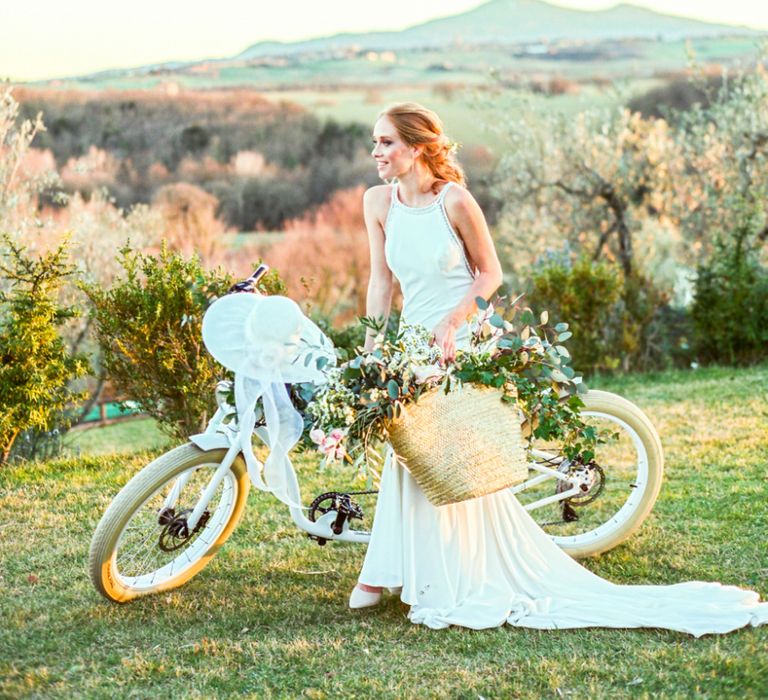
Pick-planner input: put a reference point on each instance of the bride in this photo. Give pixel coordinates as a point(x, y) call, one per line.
point(482, 562)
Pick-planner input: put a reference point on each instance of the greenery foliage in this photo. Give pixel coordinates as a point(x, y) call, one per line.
point(347, 339)
point(613, 318)
point(36, 367)
point(510, 349)
point(730, 309)
point(527, 358)
point(148, 325)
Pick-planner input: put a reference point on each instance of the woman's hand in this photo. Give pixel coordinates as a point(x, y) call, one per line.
point(444, 336)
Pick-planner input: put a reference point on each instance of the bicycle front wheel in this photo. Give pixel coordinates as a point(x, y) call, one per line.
point(141, 545)
point(622, 483)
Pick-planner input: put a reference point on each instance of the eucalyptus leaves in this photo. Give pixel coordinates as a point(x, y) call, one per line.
point(513, 347)
point(347, 415)
point(510, 349)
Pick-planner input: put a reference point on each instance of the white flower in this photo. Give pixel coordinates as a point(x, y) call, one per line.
point(425, 373)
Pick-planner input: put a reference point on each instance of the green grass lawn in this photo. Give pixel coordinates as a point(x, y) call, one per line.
point(268, 617)
point(123, 436)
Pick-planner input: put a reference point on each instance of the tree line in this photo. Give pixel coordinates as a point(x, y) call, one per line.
point(264, 162)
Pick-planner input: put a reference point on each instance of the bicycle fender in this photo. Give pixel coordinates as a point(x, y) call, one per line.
point(210, 441)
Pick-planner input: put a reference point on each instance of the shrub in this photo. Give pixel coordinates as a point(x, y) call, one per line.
point(671, 338)
point(730, 308)
point(647, 340)
point(36, 368)
point(189, 219)
point(678, 94)
point(149, 328)
point(584, 294)
point(614, 319)
point(268, 201)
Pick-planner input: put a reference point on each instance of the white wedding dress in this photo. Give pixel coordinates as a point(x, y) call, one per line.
point(486, 562)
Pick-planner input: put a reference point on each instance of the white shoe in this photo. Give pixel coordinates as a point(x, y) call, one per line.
point(363, 599)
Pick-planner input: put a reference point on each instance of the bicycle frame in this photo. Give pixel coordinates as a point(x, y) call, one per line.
point(188, 501)
point(220, 434)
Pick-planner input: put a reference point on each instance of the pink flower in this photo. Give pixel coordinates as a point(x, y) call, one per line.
point(332, 449)
point(330, 445)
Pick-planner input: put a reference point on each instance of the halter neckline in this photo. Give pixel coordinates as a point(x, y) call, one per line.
point(396, 198)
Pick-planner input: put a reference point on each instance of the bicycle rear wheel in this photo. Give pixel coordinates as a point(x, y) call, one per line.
point(140, 547)
point(624, 481)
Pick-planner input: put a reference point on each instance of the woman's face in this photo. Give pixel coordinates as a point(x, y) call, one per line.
point(393, 156)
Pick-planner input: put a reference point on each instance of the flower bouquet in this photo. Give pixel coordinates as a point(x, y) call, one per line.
point(460, 428)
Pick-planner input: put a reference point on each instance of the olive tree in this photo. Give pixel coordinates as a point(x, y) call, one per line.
point(591, 180)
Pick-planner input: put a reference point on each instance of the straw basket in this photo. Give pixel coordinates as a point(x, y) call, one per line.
point(461, 445)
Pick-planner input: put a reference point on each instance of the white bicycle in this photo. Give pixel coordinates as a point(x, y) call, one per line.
point(172, 517)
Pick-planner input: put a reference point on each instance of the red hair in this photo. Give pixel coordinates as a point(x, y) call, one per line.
point(419, 126)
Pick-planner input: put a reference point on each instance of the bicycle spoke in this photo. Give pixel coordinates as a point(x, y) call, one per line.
point(139, 550)
point(144, 542)
point(140, 558)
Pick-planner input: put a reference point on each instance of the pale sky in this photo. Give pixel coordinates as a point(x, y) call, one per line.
point(57, 38)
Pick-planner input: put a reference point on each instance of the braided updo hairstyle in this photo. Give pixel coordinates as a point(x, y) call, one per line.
point(419, 126)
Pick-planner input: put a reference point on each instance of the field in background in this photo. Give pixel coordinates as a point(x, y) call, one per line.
point(129, 435)
point(457, 64)
point(462, 110)
point(356, 86)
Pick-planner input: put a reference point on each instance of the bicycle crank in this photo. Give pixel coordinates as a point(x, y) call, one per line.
point(340, 503)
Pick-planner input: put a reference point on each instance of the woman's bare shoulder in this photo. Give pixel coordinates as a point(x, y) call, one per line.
point(376, 199)
point(459, 199)
point(377, 193)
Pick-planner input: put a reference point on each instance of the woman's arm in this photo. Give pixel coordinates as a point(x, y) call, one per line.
point(467, 218)
point(380, 283)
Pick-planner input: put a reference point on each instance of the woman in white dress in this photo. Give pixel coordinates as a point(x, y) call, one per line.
point(482, 562)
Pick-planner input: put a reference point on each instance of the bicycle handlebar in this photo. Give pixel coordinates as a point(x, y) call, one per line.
point(249, 284)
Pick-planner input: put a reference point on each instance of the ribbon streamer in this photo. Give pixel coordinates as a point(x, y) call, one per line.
point(267, 342)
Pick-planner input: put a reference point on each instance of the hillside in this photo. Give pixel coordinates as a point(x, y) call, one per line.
point(511, 22)
point(532, 27)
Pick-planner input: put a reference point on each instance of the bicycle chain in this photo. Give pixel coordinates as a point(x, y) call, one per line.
point(334, 495)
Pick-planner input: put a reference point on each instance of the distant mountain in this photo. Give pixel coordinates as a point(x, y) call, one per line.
point(511, 22)
point(501, 22)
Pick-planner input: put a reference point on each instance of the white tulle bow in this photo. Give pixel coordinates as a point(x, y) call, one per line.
point(268, 343)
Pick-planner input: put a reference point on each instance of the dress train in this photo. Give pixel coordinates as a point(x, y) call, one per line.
point(486, 562)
